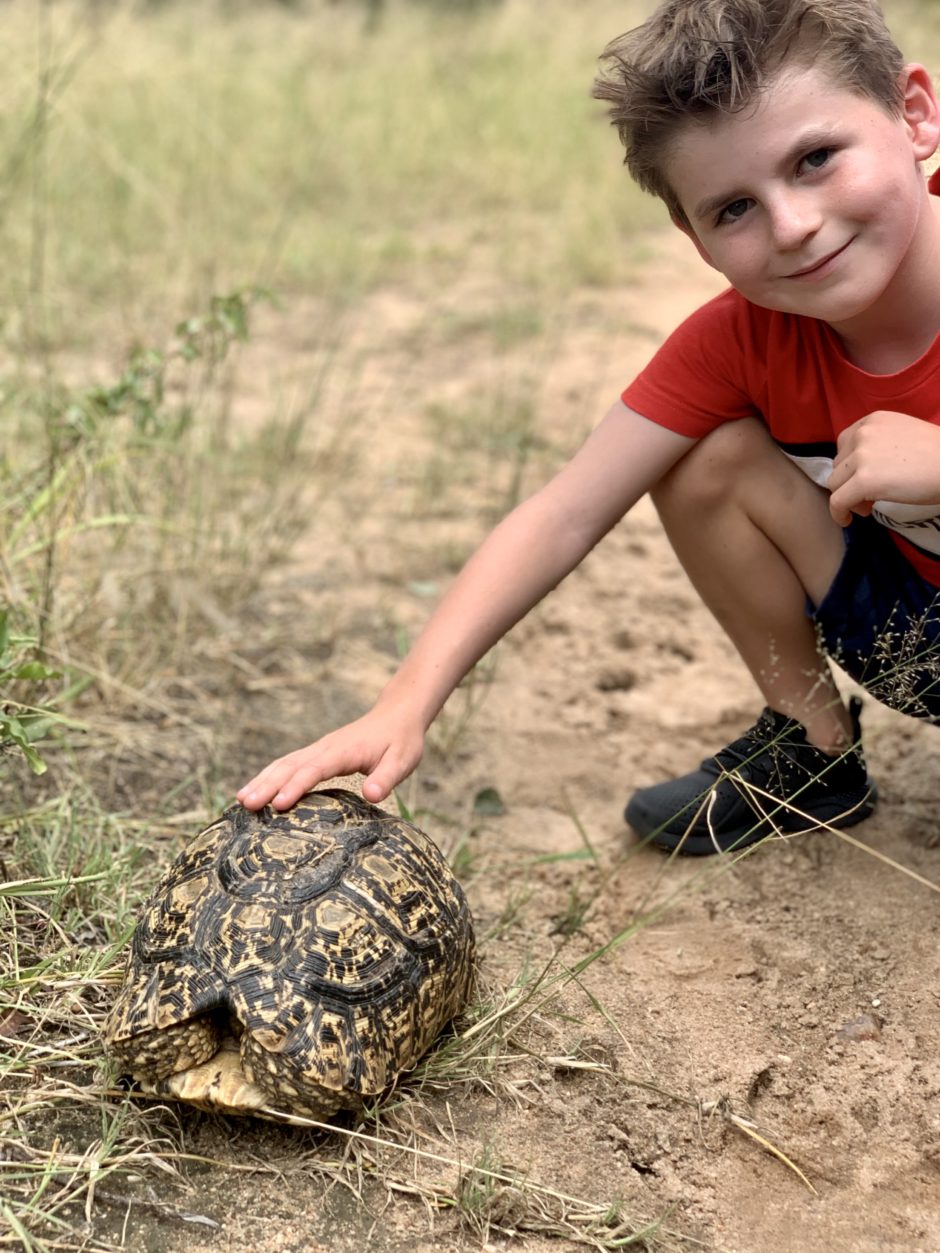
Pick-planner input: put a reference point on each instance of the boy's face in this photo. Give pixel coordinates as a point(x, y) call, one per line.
point(809, 202)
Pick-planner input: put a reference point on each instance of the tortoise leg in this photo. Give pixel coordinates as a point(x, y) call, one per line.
point(154, 1055)
point(218, 1084)
point(287, 1090)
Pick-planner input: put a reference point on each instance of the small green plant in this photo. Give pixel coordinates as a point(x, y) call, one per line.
point(23, 722)
point(479, 1185)
point(464, 857)
point(140, 393)
point(140, 490)
point(576, 912)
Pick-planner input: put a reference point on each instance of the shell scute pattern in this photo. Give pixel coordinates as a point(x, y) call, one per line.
point(333, 937)
point(387, 886)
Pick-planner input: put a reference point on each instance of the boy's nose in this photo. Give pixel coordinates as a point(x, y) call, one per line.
point(793, 220)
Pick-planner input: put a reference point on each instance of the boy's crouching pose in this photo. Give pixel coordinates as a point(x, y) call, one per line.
point(789, 431)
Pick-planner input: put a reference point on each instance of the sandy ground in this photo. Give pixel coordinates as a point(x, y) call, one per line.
point(739, 986)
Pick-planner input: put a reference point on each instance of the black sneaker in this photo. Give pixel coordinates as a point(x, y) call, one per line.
point(769, 781)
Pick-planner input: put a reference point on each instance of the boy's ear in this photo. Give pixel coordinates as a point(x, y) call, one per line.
point(920, 110)
point(687, 230)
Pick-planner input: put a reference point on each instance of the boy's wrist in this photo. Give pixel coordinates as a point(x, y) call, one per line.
point(406, 702)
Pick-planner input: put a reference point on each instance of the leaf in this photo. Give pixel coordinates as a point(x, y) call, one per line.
point(12, 729)
point(79, 528)
point(33, 760)
point(489, 803)
point(12, 1023)
point(403, 810)
point(34, 670)
point(4, 630)
point(426, 589)
point(577, 854)
point(38, 727)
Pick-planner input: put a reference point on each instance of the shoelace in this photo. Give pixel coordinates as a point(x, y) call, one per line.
point(765, 738)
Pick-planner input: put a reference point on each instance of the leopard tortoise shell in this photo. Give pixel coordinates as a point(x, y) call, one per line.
point(293, 963)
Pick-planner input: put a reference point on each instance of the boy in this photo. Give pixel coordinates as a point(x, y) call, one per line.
point(789, 431)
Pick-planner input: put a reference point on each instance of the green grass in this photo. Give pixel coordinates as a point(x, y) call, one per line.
point(185, 152)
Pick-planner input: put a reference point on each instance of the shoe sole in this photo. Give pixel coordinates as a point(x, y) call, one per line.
point(789, 823)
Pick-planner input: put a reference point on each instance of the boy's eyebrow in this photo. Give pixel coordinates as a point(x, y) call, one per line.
point(818, 137)
point(705, 208)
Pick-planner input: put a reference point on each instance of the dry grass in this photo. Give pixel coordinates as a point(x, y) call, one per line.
point(145, 523)
point(55, 993)
point(78, 1155)
point(152, 156)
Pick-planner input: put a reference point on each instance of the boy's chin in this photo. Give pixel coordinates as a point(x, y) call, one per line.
point(824, 307)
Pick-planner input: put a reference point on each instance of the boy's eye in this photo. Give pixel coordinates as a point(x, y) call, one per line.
point(816, 159)
point(733, 211)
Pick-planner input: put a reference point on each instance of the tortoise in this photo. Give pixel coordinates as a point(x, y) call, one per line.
point(293, 963)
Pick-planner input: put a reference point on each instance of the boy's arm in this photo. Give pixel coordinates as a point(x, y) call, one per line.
point(528, 554)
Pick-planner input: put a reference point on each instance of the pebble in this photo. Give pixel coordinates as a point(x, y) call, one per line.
point(865, 1027)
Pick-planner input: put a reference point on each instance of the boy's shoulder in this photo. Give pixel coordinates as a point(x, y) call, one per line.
point(709, 369)
point(733, 359)
point(733, 329)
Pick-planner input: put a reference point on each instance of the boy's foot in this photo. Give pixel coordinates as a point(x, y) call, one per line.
point(771, 780)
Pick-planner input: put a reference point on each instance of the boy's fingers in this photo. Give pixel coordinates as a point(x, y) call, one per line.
point(843, 512)
point(281, 783)
point(382, 779)
point(392, 767)
point(305, 776)
point(292, 791)
point(839, 512)
point(259, 790)
point(375, 789)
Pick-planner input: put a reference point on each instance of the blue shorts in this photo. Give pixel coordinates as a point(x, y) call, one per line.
point(880, 621)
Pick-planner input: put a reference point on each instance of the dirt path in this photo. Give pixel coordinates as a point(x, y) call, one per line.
point(739, 990)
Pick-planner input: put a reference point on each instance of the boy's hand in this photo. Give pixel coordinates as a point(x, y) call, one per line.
point(378, 744)
point(885, 456)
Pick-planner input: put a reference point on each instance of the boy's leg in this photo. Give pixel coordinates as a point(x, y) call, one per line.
point(756, 538)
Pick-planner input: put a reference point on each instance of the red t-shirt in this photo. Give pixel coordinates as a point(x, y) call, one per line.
point(732, 359)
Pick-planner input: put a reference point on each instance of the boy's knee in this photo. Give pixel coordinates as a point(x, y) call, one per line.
point(705, 474)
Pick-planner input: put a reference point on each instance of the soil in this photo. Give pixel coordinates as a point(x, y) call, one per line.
point(797, 988)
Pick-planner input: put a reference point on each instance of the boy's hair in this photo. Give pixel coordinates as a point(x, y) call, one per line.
point(696, 58)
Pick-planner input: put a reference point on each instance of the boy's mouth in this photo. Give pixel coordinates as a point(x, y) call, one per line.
point(817, 268)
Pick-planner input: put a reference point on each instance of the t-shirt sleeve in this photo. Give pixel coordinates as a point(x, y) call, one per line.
point(706, 373)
